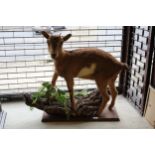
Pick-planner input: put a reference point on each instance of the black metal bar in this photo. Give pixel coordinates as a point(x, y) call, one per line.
point(153, 68)
point(125, 53)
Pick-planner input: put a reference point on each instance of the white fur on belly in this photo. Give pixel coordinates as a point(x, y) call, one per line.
point(86, 71)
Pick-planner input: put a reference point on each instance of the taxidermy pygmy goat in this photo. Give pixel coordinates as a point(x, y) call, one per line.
point(86, 63)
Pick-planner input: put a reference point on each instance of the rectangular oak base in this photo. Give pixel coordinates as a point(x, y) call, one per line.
point(105, 116)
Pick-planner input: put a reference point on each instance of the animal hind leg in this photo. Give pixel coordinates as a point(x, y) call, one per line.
point(102, 86)
point(113, 92)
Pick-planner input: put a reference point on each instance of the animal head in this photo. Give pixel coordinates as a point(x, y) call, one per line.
point(55, 43)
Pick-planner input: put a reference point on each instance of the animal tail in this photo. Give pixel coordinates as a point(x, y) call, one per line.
point(124, 66)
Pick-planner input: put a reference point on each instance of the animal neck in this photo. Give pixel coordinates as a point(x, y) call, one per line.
point(61, 55)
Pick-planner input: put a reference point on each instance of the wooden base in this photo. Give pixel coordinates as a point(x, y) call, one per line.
point(2, 119)
point(106, 116)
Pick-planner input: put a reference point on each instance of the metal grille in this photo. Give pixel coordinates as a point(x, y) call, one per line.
point(153, 70)
point(135, 85)
point(25, 62)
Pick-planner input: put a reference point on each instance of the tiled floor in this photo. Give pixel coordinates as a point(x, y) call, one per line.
point(19, 116)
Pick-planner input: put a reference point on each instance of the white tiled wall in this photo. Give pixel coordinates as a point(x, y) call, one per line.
point(24, 59)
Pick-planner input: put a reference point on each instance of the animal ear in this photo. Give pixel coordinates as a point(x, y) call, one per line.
point(65, 38)
point(45, 34)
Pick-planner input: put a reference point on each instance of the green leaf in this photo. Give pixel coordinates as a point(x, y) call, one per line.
point(81, 93)
point(48, 91)
point(45, 84)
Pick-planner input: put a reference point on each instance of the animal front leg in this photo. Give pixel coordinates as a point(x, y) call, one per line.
point(70, 84)
point(54, 79)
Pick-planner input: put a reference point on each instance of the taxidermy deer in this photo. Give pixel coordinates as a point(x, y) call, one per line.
point(86, 63)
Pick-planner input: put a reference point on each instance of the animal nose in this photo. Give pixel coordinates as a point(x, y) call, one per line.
point(53, 55)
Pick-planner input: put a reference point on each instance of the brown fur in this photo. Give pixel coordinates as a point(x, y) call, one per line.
point(69, 63)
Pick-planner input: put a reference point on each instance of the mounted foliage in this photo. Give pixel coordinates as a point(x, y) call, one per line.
point(51, 95)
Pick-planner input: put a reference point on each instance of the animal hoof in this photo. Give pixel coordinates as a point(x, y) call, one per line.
point(99, 113)
point(110, 108)
point(73, 109)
